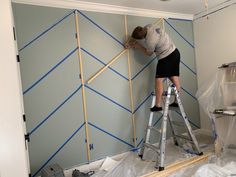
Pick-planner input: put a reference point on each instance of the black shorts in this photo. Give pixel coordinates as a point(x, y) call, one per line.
point(168, 66)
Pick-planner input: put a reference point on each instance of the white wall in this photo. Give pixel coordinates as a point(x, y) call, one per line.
point(215, 44)
point(13, 159)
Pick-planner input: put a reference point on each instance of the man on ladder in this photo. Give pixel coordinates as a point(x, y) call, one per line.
point(168, 67)
point(159, 42)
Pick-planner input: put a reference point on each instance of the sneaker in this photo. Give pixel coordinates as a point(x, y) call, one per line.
point(155, 109)
point(174, 104)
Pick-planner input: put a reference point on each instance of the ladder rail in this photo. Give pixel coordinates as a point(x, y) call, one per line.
point(189, 128)
point(161, 148)
point(170, 120)
point(148, 130)
point(164, 128)
point(150, 121)
point(172, 130)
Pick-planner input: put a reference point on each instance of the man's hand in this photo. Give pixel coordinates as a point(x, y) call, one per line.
point(143, 49)
point(127, 45)
point(130, 43)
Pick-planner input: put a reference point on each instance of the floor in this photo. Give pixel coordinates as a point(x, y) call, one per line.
point(132, 166)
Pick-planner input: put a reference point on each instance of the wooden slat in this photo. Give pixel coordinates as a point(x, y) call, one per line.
point(179, 165)
point(82, 82)
point(158, 21)
point(163, 24)
point(105, 67)
point(130, 86)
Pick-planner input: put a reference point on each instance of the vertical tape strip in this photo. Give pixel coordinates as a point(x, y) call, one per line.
point(130, 86)
point(82, 82)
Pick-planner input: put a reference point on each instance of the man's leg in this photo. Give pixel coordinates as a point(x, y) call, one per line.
point(158, 91)
point(176, 82)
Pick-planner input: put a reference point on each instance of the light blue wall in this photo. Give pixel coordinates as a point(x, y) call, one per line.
point(52, 86)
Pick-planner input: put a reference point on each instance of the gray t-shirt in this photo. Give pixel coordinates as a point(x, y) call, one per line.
point(158, 41)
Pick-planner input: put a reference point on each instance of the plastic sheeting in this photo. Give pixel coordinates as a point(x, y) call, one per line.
point(216, 95)
point(214, 170)
point(132, 166)
point(219, 91)
point(217, 98)
point(215, 167)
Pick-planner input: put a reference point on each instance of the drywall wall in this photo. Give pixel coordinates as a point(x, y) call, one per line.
point(52, 86)
point(13, 157)
point(215, 42)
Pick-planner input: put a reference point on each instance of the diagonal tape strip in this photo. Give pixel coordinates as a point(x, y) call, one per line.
point(46, 74)
point(93, 22)
point(189, 93)
point(57, 151)
point(45, 31)
point(106, 132)
point(143, 102)
point(144, 68)
point(188, 120)
point(108, 98)
point(157, 120)
point(54, 111)
point(94, 57)
point(179, 34)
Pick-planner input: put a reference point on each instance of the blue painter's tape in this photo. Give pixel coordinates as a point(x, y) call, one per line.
point(135, 149)
point(89, 19)
point(45, 31)
point(189, 93)
point(108, 99)
point(86, 51)
point(140, 142)
point(104, 131)
point(143, 102)
point(152, 61)
point(180, 34)
point(54, 111)
point(53, 68)
point(188, 68)
point(157, 120)
point(144, 68)
point(179, 19)
point(188, 120)
point(58, 150)
point(190, 151)
point(214, 11)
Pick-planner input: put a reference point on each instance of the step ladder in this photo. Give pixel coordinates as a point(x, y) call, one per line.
point(160, 149)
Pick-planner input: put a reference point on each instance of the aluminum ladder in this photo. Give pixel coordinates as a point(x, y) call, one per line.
point(160, 149)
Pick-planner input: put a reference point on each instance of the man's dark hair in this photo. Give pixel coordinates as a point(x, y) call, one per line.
point(138, 33)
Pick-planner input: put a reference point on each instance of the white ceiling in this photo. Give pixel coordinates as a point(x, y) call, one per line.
point(176, 6)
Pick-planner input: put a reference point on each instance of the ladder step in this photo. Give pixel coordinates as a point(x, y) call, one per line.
point(153, 147)
point(173, 108)
point(183, 137)
point(155, 129)
point(165, 93)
